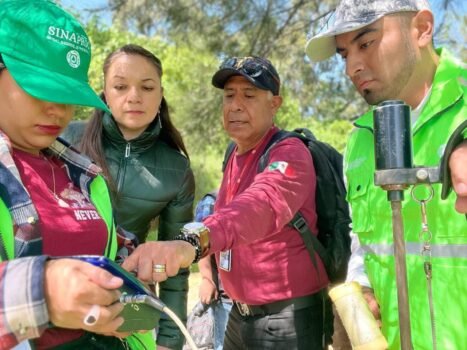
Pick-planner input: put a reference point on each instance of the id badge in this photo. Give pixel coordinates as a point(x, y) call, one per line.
point(225, 260)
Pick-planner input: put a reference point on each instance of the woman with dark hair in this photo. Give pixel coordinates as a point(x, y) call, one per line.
point(146, 163)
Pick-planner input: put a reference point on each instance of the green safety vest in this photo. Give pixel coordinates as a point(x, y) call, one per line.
point(371, 220)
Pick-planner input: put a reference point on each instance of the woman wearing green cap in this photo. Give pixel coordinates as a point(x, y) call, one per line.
point(53, 202)
point(146, 162)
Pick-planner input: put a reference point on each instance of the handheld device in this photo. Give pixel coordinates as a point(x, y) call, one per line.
point(137, 316)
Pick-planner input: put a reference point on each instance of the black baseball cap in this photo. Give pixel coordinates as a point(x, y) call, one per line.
point(257, 70)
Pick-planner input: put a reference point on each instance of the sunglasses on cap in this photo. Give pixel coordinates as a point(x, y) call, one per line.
point(252, 66)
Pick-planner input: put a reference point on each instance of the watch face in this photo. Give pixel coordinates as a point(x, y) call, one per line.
point(194, 227)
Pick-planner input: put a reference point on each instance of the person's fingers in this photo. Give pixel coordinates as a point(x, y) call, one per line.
point(172, 254)
point(91, 318)
point(145, 269)
point(458, 167)
point(159, 272)
point(206, 299)
point(131, 262)
point(180, 254)
point(106, 319)
point(71, 290)
point(461, 204)
point(372, 302)
point(110, 326)
point(102, 277)
point(113, 310)
point(207, 291)
point(141, 260)
point(80, 280)
point(104, 293)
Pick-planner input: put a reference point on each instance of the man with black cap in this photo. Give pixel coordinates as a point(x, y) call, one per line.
point(263, 262)
point(388, 50)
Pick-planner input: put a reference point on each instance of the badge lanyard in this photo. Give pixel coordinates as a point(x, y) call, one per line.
point(225, 257)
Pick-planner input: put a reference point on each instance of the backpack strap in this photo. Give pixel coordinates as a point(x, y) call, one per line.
point(298, 222)
point(312, 243)
point(307, 132)
point(228, 152)
point(299, 133)
point(275, 139)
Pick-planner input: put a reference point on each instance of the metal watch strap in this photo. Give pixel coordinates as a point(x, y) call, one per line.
point(202, 233)
point(194, 241)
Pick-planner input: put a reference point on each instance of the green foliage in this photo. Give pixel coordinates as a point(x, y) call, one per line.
point(192, 99)
point(192, 37)
point(218, 28)
point(207, 167)
point(104, 40)
point(195, 105)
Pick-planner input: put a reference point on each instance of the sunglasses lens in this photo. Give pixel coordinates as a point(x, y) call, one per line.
point(253, 69)
point(248, 65)
point(229, 63)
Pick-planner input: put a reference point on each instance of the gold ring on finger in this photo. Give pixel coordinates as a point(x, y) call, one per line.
point(158, 268)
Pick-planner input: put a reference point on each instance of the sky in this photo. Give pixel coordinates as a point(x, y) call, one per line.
point(84, 3)
point(460, 6)
point(81, 5)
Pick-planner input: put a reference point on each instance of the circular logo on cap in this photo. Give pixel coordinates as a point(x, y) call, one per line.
point(73, 58)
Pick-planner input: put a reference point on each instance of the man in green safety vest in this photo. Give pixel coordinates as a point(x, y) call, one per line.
point(388, 50)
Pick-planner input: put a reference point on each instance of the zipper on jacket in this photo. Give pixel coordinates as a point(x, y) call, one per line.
point(122, 170)
point(127, 150)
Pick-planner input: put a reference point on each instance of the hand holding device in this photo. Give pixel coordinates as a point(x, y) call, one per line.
point(142, 308)
point(71, 287)
point(137, 314)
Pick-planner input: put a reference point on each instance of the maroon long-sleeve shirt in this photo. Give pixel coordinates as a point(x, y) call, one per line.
point(269, 260)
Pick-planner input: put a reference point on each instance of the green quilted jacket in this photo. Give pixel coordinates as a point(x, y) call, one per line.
point(155, 189)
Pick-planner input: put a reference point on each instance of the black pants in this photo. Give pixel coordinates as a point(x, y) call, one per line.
point(309, 328)
point(91, 341)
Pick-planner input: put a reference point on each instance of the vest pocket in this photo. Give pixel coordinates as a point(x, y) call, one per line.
point(359, 198)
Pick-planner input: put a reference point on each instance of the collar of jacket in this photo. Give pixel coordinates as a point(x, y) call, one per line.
point(139, 144)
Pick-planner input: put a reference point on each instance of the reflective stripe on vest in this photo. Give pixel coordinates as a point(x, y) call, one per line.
point(437, 250)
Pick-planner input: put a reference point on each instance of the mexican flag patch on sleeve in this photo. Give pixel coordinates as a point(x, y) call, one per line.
point(282, 167)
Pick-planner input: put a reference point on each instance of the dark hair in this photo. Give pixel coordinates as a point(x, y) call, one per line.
point(91, 143)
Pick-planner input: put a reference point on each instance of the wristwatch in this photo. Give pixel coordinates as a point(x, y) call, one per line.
point(197, 234)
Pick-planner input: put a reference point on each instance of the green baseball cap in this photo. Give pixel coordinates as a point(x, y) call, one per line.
point(47, 52)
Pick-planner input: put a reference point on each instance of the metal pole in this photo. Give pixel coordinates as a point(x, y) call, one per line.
point(401, 276)
point(393, 152)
